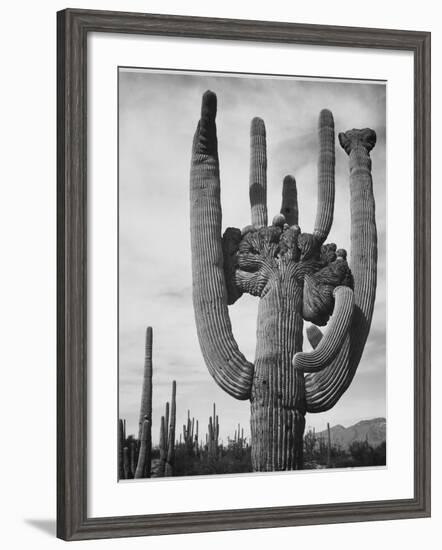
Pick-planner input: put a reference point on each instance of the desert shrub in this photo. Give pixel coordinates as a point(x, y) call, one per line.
point(364, 454)
point(380, 455)
point(228, 461)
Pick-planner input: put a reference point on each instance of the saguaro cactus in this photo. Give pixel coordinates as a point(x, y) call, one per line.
point(163, 447)
point(213, 434)
point(296, 276)
point(145, 420)
point(189, 435)
point(328, 444)
point(126, 463)
point(170, 459)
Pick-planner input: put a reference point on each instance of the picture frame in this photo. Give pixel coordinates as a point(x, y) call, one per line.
point(73, 28)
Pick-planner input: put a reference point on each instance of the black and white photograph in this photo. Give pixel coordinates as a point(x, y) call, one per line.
point(252, 273)
point(218, 226)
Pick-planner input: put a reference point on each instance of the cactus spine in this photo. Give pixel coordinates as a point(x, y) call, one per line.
point(296, 276)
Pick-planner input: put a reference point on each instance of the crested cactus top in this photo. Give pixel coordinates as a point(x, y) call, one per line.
point(353, 139)
point(256, 257)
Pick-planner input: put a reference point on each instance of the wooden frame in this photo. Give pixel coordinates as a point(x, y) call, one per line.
point(73, 28)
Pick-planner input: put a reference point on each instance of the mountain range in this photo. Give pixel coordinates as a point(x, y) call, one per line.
point(373, 431)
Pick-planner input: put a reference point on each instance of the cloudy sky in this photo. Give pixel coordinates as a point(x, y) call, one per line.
point(158, 112)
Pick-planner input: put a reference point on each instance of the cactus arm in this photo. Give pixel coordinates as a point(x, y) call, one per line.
point(323, 389)
point(258, 173)
point(225, 362)
point(334, 336)
point(318, 299)
point(326, 175)
point(314, 335)
point(289, 206)
point(364, 251)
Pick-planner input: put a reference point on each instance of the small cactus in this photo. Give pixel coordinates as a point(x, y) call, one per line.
point(188, 434)
point(132, 457)
point(170, 460)
point(328, 445)
point(213, 434)
point(163, 447)
point(126, 463)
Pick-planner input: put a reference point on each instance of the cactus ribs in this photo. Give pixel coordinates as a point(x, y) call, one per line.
point(297, 278)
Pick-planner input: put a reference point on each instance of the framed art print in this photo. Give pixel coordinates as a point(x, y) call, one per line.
point(243, 274)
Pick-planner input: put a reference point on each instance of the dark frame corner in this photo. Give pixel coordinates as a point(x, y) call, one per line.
point(72, 28)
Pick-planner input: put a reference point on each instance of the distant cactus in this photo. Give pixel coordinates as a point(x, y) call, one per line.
point(120, 449)
point(145, 419)
point(328, 445)
point(188, 434)
point(170, 458)
point(163, 447)
point(196, 444)
point(132, 456)
point(166, 422)
point(296, 276)
point(213, 434)
point(126, 463)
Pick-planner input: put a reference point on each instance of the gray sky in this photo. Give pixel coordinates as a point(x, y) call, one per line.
point(158, 113)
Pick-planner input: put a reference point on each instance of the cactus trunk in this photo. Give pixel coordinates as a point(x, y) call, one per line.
point(163, 447)
point(142, 467)
point(277, 402)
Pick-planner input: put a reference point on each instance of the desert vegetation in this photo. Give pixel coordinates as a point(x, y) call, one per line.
point(186, 455)
point(201, 452)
